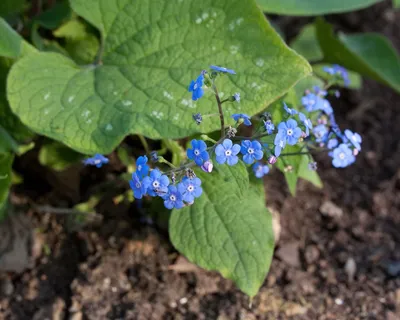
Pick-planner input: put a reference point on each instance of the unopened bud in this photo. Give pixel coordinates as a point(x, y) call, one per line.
point(207, 166)
point(272, 159)
point(231, 132)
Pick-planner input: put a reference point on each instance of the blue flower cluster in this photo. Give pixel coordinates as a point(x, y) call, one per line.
point(155, 183)
point(339, 71)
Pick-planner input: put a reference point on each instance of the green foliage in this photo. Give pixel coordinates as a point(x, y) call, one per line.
point(54, 17)
point(11, 44)
point(369, 54)
point(227, 229)
point(396, 3)
point(312, 7)
point(58, 156)
point(9, 7)
point(6, 160)
point(141, 84)
point(306, 44)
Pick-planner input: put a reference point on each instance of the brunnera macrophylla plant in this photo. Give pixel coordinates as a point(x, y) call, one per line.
point(311, 126)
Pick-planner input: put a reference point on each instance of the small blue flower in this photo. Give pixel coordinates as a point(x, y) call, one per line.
point(342, 156)
point(156, 183)
point(227, 152)
point(269, 126)
point(320, 92)
point(280, 143)
point(236, 96)
point(260, 170)
point(309, 101)
point(196, 87)
point(251, 151)
point(339, 70)
point(198, 118)
point(332, 143)
point(245, 117)
point(222, 69)
point(325, 106)
point(137, 186)
point(321, 132)
point(198, 153)
point(190, 189)
point(292, 112)
point(289, 131)
point(173, 198)
point(354, 138)
point(97, 160)
point(142, 169)
point(307, 122)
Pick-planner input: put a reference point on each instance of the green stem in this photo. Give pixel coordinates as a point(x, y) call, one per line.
point(163, 160)
point(144, 143)
point(221, 113)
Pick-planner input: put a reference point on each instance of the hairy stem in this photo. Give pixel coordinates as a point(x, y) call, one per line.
point(221, 113)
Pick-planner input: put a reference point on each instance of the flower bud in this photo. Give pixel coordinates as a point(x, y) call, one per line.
point(207, 166)
point(154, 156)
point(272, 159)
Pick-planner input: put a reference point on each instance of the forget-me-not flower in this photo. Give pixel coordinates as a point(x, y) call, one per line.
point(222, 69)
point(227, 152)
point(190, 189)
point(292, 112)
point(251, 151)
point(198, 153)
point(97, 160)
point(342, 156)
point(142, 169)
point(354, 138)
point(321, 132)
point(260, 169)
point(173, 198)
point(245, 117)
point(137, 186)
point(306, 121)
point(269, 126)
point(156, 184)
point(280, 143)
point(196, 87)
point(289, 131)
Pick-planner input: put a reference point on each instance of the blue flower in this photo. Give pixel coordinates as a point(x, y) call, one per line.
point(289, 131)
point(137, 186)
point(173, 198)
point(97, 160)
point(154, 156)
point(321, 132)
point(280, 143)
point(339, 70)
point(236, 96)
point(198, 118)
point(156, 183)
point(142, 169)
point(320, 92)
point(292, 112)
point(227, 152)
point(332, 143)
point(260, 170)
point(309, 101)
point(198, 153)
point(307, 122)
point(190, 189)
point(251, 151)
point(222, 69)
point(325, 106)
point(196, 87)
point(269, 126)
point(342, 156)
point(245, 117)
point(354, 138)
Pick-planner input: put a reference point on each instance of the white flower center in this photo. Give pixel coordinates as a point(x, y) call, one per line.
point(342, 156)
point(190, 188)
point(196, 152)
point(195, 86)
point(138, 185)
point(289, 132)
point(139, 167)
point(228, 153)
point(250, 150)
point(172, 197)
point(281, 143)
point(156, 184)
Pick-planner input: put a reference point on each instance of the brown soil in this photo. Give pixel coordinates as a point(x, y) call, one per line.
point(338, 256)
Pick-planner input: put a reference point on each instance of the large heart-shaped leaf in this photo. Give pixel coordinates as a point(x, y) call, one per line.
point(369, 54)
point(227, 229)
point(151, 51)
point(313, 7)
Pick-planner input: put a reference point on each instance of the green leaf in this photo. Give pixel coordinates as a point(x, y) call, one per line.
point(140, 86)
point(313, 7)
point(6, 160)
point(11, 128)
point(53, 18)
point(9, 7)
point(355, 78)
point(396, 3)
point(227, 229)
point(307, 174)
point(369, 54)
point(12, 45)
point(58, 156)
point(73, 29)
point(306, 43)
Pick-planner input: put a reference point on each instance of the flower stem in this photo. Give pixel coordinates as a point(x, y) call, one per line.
point(161, 159)
point(144, 143)
point(221, 113)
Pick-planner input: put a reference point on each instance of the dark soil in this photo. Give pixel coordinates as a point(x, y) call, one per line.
point(338, 256)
